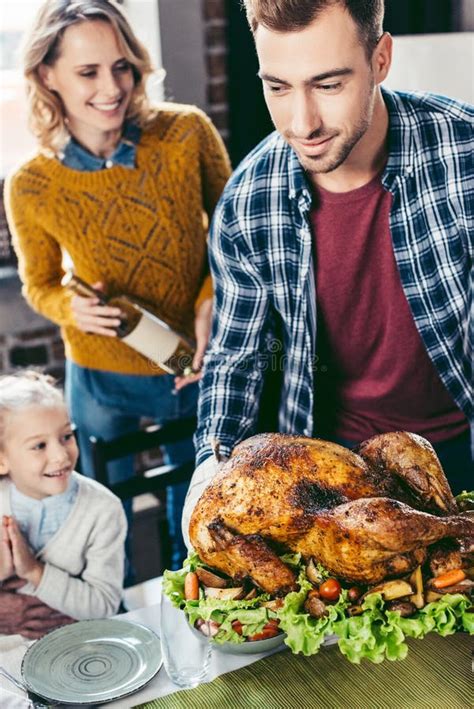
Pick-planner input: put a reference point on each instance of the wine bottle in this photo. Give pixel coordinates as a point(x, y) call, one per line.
point(142, 330)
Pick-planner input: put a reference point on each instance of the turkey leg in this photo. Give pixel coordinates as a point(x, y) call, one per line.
point(413, 461)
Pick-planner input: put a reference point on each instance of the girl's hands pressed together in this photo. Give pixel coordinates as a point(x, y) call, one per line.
point(7, 568)
point(26, 566)
point(93, 317)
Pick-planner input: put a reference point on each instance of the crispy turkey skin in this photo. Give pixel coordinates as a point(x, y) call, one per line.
point(365, 515)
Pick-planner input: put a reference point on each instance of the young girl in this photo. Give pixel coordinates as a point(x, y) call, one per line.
point(61, 532)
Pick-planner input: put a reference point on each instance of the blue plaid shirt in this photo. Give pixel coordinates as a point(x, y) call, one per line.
point(262, 265)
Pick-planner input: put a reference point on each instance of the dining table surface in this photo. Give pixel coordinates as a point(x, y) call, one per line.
point(436, 674)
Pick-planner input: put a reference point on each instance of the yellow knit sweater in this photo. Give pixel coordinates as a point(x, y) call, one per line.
point(141, 231)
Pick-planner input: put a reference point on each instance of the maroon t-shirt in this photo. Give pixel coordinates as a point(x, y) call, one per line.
point(373, 373)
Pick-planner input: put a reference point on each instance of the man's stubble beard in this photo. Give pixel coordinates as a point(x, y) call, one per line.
point(324, 164)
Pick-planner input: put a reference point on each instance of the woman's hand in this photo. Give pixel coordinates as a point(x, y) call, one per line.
point(90, 316)
point(202, 330)
point(7, 568)
point(25, 563)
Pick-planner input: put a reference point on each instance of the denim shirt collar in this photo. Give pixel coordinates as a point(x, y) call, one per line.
point(77, 157)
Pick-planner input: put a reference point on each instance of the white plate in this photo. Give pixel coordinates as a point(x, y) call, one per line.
point(92, 661)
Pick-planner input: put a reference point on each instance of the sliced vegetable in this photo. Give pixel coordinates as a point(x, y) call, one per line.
point(237, 626)
point(391, 590)
point(208, 628)
point(225, 594)
point(313, 573)
point(270, 630)
point(207, 578)
point(432, 596)
point(416, 579)
point(273, 605)
point(449, 578)
point(191, 586)
point(464, 586)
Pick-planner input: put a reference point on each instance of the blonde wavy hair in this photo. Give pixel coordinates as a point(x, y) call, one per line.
point(25, 389)
point(42, 46)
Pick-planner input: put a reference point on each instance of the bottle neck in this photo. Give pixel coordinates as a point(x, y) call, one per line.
point(82, 288)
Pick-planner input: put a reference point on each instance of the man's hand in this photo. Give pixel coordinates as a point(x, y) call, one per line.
point(202, 330)
point(6, 558)
point(26, 615)
point(25, 564)
point(91, 316)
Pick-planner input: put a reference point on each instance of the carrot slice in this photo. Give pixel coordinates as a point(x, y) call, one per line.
point(449, 578)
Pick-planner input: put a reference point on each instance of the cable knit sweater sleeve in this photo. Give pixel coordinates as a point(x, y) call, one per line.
point(84, 561)
point(39, 252)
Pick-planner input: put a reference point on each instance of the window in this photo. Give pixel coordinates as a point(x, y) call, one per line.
point(16, 141)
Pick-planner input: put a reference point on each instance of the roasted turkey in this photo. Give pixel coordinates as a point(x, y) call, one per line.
point(366, 515)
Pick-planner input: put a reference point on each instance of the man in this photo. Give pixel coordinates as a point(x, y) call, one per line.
point(348, 231)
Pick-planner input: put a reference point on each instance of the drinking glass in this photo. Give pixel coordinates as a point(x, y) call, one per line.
point(186, 652)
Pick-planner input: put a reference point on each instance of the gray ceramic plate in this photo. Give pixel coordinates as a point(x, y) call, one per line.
point(92, 661)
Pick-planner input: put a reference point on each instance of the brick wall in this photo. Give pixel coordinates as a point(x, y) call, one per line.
point(215, 19)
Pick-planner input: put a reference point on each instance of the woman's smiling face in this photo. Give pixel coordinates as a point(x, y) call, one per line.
point(93, 79)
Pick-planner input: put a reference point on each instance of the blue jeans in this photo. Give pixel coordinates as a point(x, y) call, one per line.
point(107, 404)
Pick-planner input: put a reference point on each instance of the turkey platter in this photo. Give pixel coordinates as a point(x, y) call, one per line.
point(365, 515)
point(303, 541)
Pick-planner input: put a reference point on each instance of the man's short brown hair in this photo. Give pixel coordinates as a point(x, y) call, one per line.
point(293, 15)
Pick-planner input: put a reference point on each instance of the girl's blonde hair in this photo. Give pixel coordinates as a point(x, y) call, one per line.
point(42, 45)
point(20, 391)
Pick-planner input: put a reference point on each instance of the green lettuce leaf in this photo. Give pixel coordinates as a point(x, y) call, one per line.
point(376, 634)
point(373, 635)
point(306, 634)
point(447, 613)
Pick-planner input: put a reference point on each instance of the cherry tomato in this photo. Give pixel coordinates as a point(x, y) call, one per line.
point(269, 630)
point(330, 590)
point(237, 626)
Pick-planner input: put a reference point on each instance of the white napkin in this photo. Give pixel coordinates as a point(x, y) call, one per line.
point(12, 650)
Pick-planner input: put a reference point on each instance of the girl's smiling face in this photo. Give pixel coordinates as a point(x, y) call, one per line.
point(39, 451)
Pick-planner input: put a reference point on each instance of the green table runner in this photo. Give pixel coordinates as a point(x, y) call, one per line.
point(437, 674)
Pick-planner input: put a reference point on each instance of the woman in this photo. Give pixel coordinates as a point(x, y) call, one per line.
point(124, 190)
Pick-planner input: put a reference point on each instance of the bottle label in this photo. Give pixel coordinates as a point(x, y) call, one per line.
point(153, 340)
